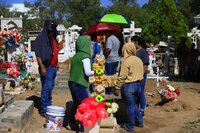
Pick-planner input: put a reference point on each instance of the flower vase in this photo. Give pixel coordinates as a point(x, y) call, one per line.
point(94, 129)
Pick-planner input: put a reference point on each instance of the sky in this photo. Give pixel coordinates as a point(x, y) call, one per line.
point(106, 2)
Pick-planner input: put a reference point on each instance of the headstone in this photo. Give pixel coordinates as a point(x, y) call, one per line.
point(11, 23)
point(152, 60)
point(167, 55)
point(71, 35)
point(16, 116)
point(1, 95)
point(129, 32)
point(195, 35)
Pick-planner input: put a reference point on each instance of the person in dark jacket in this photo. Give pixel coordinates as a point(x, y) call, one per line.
point(46, 50)
point(140, 45)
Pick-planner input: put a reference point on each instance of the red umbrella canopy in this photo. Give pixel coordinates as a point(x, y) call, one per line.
point(100, 27)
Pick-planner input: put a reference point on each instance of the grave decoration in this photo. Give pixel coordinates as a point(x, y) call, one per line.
point(169, 93)
point(9, 37)
point(29, 81)
point(20, 59)
point(15, 69)
point(96, 107)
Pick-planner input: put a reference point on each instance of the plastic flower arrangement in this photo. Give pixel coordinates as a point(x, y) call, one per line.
point(94, 108)
point(89, 111)
point(21, 59)
point(13, 71)
point(29, 81)
point(9, 37)
point(169, 93)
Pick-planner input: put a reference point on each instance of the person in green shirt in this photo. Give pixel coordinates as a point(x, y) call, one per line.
point(79, 76)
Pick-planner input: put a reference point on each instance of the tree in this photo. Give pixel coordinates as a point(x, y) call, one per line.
point(166, 20)
point(130, 9)
point(4, 9)
point(83, 12)
point(184, 7)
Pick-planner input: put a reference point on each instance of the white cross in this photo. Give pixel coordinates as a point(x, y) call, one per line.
point(195, 34)
point(132, 30)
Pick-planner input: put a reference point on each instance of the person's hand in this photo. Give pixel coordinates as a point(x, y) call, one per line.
point(43, 71)
point(92, 73)
point(57, 67)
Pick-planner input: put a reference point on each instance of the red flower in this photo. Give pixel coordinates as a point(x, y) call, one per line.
point(89, 111)
point(177, 90)
point(89, 119)
point(79, 115)
point(101, 112)
point(5, 65)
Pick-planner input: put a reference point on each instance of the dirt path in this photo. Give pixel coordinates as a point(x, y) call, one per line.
point(181, 116)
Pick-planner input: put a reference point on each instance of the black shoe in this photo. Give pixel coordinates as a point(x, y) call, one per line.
point(43, 115)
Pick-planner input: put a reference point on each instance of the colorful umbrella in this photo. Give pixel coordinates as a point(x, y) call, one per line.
point(101, 27)
point(115, 18)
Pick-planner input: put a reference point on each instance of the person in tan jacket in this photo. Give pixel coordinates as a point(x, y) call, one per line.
point(129, 82)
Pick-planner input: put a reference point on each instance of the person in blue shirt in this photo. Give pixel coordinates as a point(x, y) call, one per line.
point(140, 45)
point(95, 46)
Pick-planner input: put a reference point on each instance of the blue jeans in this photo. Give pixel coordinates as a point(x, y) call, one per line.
point(78, 93)
point(48, 83)
point(142, 99)
point(130, 93)
point(111, 69)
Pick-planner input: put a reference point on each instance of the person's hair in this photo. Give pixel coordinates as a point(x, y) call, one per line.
point(142, 43)
point(135, 38)
point(93, 37)
point(120, 37)
point(54, 30)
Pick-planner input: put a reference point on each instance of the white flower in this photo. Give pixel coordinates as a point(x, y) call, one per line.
point(114, 110)
point(109, 110)
point(114, 105)
point(171, 88)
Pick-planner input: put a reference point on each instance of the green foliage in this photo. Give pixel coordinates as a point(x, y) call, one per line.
point(166, 20)
point(186, 10)
point(130, 9)
point(4, 11)
point(158, 18)
point(83, 12)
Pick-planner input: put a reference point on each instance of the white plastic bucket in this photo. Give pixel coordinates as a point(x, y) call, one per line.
point(54, 118)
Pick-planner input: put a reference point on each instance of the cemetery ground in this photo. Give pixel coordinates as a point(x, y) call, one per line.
point(181, 116)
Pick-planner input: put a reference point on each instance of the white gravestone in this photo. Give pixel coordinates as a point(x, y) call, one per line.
point(69, 47)
point(129, 32)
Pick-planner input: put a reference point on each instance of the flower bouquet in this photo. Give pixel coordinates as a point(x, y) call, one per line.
point(4, 66)
point(21, 59)
point(169, 93)
point(29, 81)
point(9, 37)
point(13, 71)
point(89, 111)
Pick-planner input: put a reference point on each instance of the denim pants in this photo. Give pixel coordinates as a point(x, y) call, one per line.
point(142, 99)
point(111, 69)
point(130, 94)
point(48, 83)
point(78, 93)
